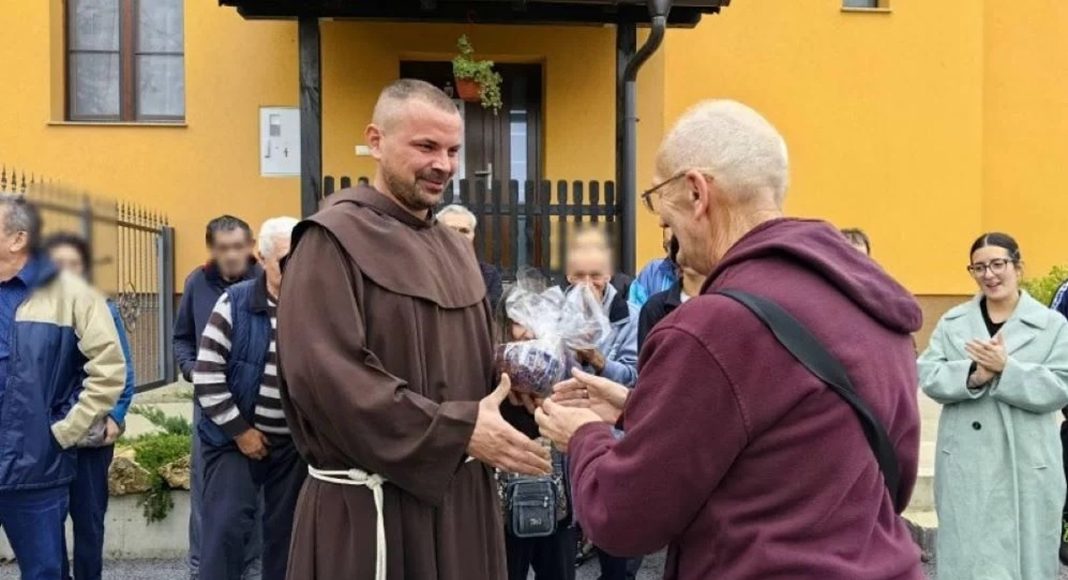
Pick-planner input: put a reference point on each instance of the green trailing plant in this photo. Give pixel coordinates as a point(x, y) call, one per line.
point(174, 425)
point(153, 451)
point(1044, 287)
point(464, 66)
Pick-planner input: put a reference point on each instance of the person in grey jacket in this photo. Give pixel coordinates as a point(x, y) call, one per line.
point(589, 262)
point(616, 356)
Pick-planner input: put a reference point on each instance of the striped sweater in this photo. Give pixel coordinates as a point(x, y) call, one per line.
point(209, 376)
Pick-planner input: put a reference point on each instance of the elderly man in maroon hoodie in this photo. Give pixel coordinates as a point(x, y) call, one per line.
point(732, 453)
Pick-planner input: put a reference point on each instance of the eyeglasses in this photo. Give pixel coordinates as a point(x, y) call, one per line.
point(651, 197)
point(995, 266)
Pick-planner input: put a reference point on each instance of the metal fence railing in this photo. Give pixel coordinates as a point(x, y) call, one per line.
point(132, 250)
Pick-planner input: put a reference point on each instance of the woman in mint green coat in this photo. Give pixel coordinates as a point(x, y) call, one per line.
point(999, 366)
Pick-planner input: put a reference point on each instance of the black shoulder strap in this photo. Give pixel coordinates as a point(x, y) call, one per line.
point(811, 353)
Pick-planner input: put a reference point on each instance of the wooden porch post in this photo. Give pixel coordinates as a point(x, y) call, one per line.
point(311, 115)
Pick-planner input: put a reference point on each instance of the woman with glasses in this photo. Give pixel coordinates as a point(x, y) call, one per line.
point(999, 366)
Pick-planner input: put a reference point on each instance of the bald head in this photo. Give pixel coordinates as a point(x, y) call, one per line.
point(739, 148)
point(396, 96)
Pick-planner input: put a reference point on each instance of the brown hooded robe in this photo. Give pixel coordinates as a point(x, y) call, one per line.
point(385, 348)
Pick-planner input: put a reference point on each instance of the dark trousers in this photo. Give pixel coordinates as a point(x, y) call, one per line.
point(88, 506)
point(232, 487)
point(612, 568)
point(196, 494)
point(552, 557)
point(1064, 454)
point(33, 521)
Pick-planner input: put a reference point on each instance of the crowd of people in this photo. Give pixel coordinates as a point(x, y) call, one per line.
point(749, 403)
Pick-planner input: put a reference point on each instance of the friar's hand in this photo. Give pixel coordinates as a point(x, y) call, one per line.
point(559, 423)
point(497, 443)
point(598, 394)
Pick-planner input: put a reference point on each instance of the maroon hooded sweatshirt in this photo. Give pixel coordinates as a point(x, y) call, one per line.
point(734, 455)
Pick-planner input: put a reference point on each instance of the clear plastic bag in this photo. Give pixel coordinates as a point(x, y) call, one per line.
point(561, 323)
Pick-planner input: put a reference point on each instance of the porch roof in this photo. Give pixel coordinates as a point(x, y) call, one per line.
point(684, 13)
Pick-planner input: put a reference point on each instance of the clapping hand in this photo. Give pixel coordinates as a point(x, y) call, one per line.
point(989, 354)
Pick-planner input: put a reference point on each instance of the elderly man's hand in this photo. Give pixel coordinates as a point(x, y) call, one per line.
point(559, 423)
point(497, 443)
point(598, 394)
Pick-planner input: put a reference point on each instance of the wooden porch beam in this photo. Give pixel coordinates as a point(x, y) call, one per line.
point(311, 114)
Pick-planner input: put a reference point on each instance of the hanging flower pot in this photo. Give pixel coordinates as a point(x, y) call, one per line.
point(469, 90)
point(476, 81)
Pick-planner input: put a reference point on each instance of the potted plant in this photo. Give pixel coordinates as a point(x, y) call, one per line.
point(475, 79)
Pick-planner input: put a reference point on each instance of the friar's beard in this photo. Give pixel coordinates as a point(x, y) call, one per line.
point(409, 193)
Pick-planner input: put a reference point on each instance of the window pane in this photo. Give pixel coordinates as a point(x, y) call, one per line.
point(159, 26)
point(860, 3)
point(160, 86)
point(94, 79)
point(94, 24)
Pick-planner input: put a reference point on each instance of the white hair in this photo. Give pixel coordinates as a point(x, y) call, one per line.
point(459, 210)
point(273, 229)
point(741, 150)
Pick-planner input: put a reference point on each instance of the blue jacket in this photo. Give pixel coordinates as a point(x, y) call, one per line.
point(658, 275)
point(66, 371)
point(620, 346)
point(249, 342)
point(202, 290)
point(123, 405)
point(1060, 300)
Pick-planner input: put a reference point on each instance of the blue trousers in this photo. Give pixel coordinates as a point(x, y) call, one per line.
point(196, 499)
point(88, 506)
point(33, 521)
point(233, 485)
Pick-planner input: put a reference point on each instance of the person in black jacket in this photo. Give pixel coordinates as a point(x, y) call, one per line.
point(230, 242)
point(659, 305)
point(551, 557)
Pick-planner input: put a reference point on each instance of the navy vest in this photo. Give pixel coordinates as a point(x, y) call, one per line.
point(249, 342)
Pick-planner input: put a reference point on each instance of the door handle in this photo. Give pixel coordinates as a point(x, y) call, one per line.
point(487, 172)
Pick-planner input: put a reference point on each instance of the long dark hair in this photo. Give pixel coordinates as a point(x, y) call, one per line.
point(999, 240)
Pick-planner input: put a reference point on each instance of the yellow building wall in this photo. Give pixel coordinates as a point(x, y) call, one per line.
point(882, 114)
point(924, 126)
point(1025, 146)
point(193, 172)
point(359, 58)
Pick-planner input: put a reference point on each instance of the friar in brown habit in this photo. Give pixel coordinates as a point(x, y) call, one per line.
point(384, 336)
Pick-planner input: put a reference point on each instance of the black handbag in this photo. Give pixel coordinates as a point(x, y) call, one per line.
point(814, 356)
point(534, 505)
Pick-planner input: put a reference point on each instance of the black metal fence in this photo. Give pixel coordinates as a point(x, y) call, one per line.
point(132, 250)
point(527, 224)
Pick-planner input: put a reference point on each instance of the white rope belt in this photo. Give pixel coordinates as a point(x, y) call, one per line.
point(374, 482)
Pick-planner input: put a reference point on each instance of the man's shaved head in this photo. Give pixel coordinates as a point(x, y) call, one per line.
point(397, 95)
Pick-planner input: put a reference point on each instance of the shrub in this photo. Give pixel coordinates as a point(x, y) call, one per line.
point(155, 450)
point(1043, 288)
point(175, 425)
